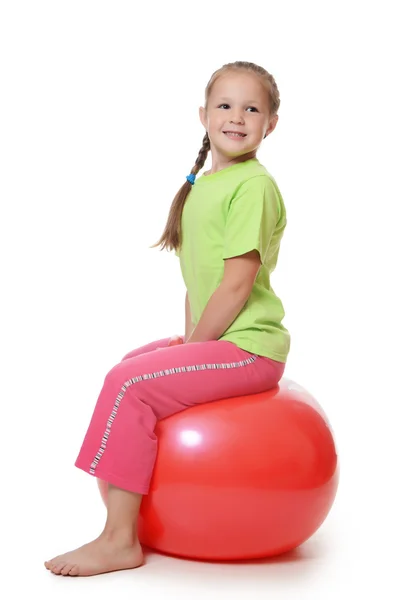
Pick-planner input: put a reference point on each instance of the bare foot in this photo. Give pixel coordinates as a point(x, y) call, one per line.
point(99, 556)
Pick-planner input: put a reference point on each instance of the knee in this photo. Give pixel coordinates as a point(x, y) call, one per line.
point(123, 373)
point(127, 356)
point(117, 375)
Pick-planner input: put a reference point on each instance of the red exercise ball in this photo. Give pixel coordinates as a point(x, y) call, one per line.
point(244, 477)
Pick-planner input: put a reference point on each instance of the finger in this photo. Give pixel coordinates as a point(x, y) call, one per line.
point(175, 341)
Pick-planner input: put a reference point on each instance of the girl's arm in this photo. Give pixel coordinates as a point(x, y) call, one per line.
point(228, 299)
point(189, 327)
point(220, 312)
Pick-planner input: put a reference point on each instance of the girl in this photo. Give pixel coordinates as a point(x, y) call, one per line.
point(226, 229)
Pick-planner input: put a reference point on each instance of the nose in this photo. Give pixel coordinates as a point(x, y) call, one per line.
point(237, 116)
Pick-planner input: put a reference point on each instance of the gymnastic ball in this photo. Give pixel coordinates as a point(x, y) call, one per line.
point(244, 477)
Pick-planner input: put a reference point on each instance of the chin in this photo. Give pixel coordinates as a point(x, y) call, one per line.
point(237, 153)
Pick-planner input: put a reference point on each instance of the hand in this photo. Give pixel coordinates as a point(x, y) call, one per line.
point(175, 340)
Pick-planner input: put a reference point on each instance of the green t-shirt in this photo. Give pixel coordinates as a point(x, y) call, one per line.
point(226, 214)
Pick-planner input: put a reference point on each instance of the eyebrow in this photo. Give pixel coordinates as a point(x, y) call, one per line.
point(248, 102)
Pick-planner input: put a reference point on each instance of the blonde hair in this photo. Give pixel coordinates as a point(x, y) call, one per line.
point(171, 238)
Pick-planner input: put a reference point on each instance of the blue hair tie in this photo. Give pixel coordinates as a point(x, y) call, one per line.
point(191, 178)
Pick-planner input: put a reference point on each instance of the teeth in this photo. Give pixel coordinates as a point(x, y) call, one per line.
point(235, 134)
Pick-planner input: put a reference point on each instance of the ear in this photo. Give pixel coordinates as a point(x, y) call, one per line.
point(203, 116)
point(272, 126)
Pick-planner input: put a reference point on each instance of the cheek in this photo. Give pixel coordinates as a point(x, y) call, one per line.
point(256, 129)
point(213, 128)
point(216, 122)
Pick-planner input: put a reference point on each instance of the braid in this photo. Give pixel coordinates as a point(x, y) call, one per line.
point(202, 155)
point(172, 235)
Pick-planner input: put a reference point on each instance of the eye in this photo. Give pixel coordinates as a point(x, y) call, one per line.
point(228, 106)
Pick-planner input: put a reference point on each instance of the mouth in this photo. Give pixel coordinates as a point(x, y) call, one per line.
point(235, 135)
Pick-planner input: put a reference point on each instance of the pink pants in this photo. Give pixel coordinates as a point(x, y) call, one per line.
point(120, 445)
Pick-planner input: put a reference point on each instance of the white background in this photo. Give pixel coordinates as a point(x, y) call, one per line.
point(99, 127)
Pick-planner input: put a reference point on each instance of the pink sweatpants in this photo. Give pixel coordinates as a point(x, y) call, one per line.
point(120, 445)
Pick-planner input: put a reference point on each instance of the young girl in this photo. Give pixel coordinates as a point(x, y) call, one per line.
point(226, 228)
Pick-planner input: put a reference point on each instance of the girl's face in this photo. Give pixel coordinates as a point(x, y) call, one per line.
point(238, 104)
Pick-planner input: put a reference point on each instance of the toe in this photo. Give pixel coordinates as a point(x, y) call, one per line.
point(50, 564)
point(66, 569)
point(74, 571)
point(58, 567)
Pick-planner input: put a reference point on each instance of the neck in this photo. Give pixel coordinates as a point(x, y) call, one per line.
point(219, 163)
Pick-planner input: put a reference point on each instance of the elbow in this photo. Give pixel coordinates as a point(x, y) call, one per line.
point(242, 291)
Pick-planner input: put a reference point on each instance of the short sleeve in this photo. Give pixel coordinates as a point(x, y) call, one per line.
point(252, 218)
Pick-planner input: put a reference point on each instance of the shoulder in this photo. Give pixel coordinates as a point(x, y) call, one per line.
point(258, 190)
point(258, 183)
point(256, 174)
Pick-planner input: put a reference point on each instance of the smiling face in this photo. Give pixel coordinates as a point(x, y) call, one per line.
point(237, 118)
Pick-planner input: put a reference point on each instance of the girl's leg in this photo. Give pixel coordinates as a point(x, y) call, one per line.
point(115, 549)
point(147, 348)
point(163, 343)
point(120, 445)
point(119, 535)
